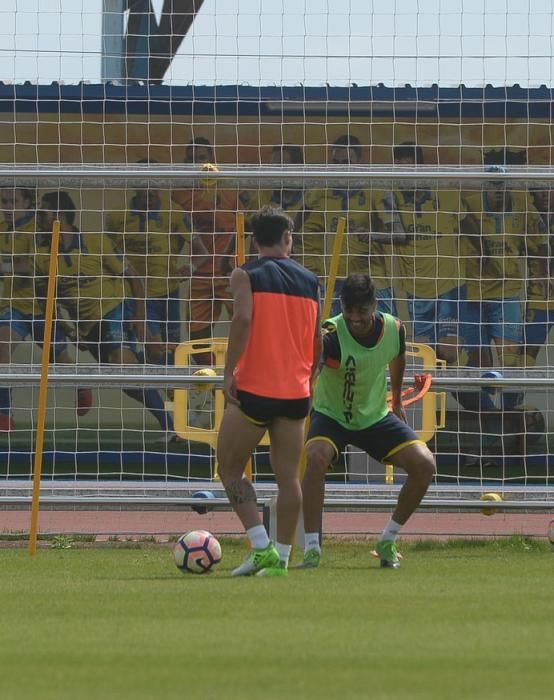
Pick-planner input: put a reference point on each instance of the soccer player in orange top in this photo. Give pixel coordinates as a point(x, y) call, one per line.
point(272, 355)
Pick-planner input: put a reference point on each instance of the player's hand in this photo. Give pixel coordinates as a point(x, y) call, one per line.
point(227, 265)
point(230, 389)
point(399, 410)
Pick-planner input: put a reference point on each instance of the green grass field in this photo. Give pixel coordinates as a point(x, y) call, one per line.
point(458, 620)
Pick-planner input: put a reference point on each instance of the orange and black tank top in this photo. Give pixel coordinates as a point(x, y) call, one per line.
point(278, 359)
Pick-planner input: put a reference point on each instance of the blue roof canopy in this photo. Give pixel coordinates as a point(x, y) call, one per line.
point(507, 103)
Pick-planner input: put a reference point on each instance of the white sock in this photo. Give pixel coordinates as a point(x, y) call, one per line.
point(311, 541)
point(258, 537)
point(284, 552)
point(391, 531)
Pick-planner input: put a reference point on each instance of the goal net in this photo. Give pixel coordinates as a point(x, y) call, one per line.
point(436, 152)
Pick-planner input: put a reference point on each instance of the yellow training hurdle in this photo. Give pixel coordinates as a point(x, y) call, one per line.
point(432, 403)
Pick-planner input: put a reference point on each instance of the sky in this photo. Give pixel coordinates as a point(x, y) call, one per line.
point(313, 42)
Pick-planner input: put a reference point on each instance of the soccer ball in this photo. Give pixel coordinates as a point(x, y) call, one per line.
point(205, 372)
point(197, 552)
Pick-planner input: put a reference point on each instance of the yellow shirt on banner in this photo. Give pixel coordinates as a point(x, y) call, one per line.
point(323, 209)
point(497, 268)
point(18, 246)
point(151, 241)
point(90, 278)
point(430, 258)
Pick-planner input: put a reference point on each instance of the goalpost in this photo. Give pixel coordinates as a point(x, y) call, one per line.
point(447, 197)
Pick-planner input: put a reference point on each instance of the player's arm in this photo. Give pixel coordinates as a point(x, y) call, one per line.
point(535, 249)
point(314, 220)
point(138, 293)
point(22, 265)
point(470, 226)
point(397, 368)
point(67, 327)
point(227, 257)
point(178, 236)
point(386, 221)
point(199, 253)
point(114, 226)
point(299, 218)
point(118, 266)
point(40, 277)
point(239, 331)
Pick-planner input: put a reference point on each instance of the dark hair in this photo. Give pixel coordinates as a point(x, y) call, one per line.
point(25, 193)
point(408, 150)
point(61, 203)
point(357, 290)
point(295, 152)
point(349, 141)
point(199, 141)
point(505, 156)
point(28, 194)
point(269, 225)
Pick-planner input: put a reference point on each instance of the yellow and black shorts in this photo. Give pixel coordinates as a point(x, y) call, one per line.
point(381, 440)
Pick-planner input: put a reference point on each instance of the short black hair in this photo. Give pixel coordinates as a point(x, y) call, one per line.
point(295, 152)
point(505, 156)
point(357, 290)
point(198, 142)
point(408, 150)
point(29, 195)
point(349, 141)
point(61, 203)
point(268, 226)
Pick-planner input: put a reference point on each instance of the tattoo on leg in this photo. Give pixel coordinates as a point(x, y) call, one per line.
point(240, 491)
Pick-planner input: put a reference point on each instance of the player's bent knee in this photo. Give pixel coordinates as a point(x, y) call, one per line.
point(426, 469)
point(318, 459)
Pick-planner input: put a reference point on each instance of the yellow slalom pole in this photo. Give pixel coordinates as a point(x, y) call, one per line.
point(326, 311)
point(241, 239)
point(334, 268)
point(328, 299)
point(241, 259)
point(43, 388)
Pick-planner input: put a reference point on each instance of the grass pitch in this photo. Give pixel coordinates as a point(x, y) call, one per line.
point(458, 620)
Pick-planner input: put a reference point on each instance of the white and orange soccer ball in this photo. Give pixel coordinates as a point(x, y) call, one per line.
point(197, 552)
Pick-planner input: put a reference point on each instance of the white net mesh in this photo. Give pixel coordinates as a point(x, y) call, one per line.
point(465, 264)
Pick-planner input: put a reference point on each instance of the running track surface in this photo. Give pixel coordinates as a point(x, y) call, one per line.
point(105, 523)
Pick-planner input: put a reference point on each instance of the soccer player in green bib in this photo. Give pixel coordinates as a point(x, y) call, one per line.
point(350, 408)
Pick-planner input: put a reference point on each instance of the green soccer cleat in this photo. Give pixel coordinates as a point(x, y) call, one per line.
point(257, 560)
point(279, 570)
point(386, 550)
point(312, 559)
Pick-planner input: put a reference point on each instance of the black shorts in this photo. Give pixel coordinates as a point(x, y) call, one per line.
point(380, 441)
point(262, 409)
